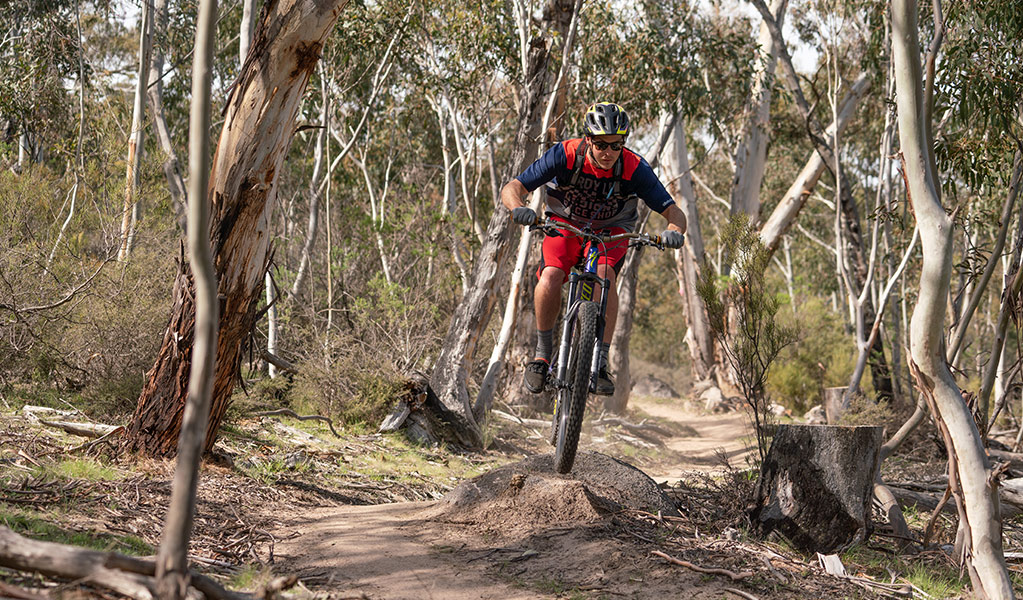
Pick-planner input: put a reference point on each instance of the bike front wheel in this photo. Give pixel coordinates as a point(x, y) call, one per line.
point(572, 397)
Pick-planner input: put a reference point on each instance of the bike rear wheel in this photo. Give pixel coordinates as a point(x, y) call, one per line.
point(572, 397)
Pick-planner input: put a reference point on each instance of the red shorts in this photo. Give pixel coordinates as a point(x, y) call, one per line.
point(567, 251)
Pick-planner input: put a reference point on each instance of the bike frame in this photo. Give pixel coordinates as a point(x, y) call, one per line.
point(581, 285)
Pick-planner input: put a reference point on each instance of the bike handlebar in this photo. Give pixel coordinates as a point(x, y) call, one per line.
point(548, 225)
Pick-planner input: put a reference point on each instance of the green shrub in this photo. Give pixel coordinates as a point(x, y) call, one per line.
point(822, 356)
point(77, 321)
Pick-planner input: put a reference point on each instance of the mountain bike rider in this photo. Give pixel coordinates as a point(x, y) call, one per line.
point(594, 182)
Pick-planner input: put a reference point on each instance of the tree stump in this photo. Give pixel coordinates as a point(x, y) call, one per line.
point(816, 486)
point(425, 418)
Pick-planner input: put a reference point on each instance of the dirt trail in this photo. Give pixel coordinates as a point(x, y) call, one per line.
point(381, 552)
point(716, 435)
point(369, 551)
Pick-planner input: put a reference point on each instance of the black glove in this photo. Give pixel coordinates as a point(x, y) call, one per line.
point(524, 215)
point(672, 239)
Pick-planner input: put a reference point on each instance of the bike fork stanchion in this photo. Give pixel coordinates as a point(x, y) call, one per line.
point(605, 285)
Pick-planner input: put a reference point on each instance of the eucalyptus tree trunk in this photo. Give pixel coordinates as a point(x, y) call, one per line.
point(618, 357)
point(784, 215)
point(970, 473)
point(751, 152)
point(449, 203)
point(136, 136)
point(314, 190)
point(245, 29)
point(517, 337)
point(171, 169)
point(259, 121)
point(172, 559)
point(244, 40)
point(691, 259)
point(451, 371)
point(997, 352)
point(628, 283)
point(78, 169)
point(24, 149)
point(850, 219)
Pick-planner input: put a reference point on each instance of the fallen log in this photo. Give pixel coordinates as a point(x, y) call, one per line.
point(1015, 459)
point(520, 420)
point(125, 575)
point(8, 590)
point(1010, 495)
point(89, 430)
point(279, 362)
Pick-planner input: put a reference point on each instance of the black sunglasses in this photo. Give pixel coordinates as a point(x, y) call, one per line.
point(599, 145)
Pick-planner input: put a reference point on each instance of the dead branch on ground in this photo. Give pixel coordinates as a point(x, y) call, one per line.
point(126, 575)
point(287, 412)
point(709, 571)
point(89, 430)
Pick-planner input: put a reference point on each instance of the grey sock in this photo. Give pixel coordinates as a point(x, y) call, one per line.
point(605, 348)
point(545, 344)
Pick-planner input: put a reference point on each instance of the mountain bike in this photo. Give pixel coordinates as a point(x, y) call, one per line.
point(573, 372)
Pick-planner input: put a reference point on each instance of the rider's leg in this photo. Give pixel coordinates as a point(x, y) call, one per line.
point(547, 305)
point(547, 297)
point(606, 269)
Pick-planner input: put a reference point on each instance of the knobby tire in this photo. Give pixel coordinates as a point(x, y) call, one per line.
point(572, 399)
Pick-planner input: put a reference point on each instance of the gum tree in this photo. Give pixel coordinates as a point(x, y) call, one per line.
point(970, 475)
point(258, 126)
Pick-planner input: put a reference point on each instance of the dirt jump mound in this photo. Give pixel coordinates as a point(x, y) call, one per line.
point(530, 494)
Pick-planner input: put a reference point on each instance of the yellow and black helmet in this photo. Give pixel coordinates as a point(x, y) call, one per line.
point(607, 118)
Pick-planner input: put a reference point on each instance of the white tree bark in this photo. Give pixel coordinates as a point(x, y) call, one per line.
point(784, 215)
point(377, 215)
point(463, 173)
point(448, 203)
point(314, 188)
point(751, 152)
point(271, 323)
point(171, 169)
point(452, 368)
point(259, 122)
point(691, 258)
point(172, 558)
point(979, 499)
point(79, 165)
point(245, 29)
point(129, 218)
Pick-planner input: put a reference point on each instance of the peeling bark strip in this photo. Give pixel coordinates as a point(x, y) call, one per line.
point(258, 127)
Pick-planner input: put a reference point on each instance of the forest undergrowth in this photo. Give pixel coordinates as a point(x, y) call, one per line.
point(61, 487)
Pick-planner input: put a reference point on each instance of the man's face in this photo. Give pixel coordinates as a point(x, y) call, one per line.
point(603, 150)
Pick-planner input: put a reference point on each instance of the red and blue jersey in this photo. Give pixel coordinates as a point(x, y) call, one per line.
point(592, 200)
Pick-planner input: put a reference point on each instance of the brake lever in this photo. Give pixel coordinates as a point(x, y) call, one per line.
point(548, 231)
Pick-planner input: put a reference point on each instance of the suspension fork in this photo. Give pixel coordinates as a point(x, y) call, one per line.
point(580, 289)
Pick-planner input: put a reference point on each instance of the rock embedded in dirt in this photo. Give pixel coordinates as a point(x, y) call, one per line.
point(531, 495)
point(712, 399)
point(653, 387)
